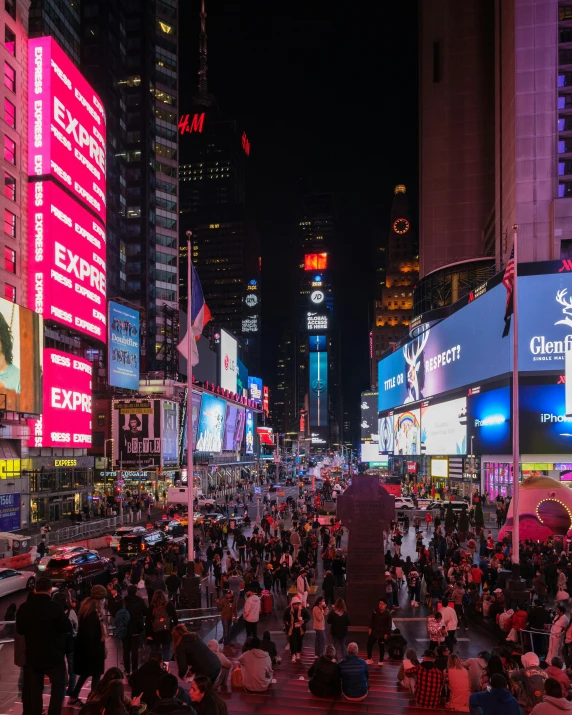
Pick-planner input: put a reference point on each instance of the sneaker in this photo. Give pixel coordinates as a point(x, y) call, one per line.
point(293, 658)
point(369, 661)
point(298, 656)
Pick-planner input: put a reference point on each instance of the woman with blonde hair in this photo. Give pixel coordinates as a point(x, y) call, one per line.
point(339, 624)
point(459, 682)
point(160, 619)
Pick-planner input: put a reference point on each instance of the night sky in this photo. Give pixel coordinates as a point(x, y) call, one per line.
point(327, 92)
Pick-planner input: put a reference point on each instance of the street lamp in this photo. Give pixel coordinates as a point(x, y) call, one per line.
point(105, 474)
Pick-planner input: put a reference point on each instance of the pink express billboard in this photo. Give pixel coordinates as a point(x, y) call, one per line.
point(66, 261)
point(66, 417)
point(66, 125)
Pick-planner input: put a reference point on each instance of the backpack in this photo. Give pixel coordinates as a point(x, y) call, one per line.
point(466, 599)
point(161, 620)
point(121, 623)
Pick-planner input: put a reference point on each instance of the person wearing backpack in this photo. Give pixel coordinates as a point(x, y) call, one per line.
point(160, 620)
point(137, 609)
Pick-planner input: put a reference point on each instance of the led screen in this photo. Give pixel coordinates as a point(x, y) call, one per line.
point(239, 432)
point(369, 417)
point(249, 432)
point(317, 344)
point(123, 347)
point(211, 424)
point(169, 432)
point(21, 340)
point(255, 388)
point(488, 422)
point(66, 125)
point(315, 261)
point(444, 427)
point(406, 432)
point(10, 512)
point(66, 417)
point(137, 433)
point(228, 361)
point(544, 426)
point(66, 262)
point(230, 423)
point(385, 428)
point(369, 452)
point(195, 412)
point(318, 401)
point(440, 468)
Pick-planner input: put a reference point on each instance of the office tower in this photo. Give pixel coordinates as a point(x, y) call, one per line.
point(285, 417)
point(60, 19)
point(393, 306)
point(225, 247)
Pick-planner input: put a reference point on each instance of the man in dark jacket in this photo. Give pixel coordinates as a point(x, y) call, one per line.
point(173, 583)
point(498, 701)
point(44, 626)
point(136, 628)
point(328, 586)
point(379, 630)
point(146, 679)
point(167, 700)
point(192, 653)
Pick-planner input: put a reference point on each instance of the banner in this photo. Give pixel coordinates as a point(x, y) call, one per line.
point(137, 433)
point(10, 512)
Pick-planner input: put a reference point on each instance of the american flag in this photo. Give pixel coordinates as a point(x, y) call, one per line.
point(508, 283)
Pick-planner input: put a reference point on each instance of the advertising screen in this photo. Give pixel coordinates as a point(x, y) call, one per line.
point(211, 424)
point(10, 511)
point(136, 433)
point(239, 432)
point(66, 417)
point(488, 422)
point(195, 412)
point(228, 361)
point(249, 432)
point(369, 422)
point(316, 321)
point(21, 356)
point(255, 388)
point(544, 426)
point(466, 347)
point(66, 126)
point(440, 468)
point(230, 424)
point(315, 261)
point(317, 344)
point(169, 432)
point(385, 429)
point(123, 347)
point(66, 263)
point(369, 452)
point(444, 427)
point(318, 401)
point(406, 432)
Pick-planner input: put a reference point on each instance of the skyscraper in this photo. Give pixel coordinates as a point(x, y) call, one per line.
point(61, 20)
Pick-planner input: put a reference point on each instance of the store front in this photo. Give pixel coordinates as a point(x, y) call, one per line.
point(60, 487)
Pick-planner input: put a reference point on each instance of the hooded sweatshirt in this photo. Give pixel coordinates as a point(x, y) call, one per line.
point(552, 706)
point(256, 669)
point(496, 702)
point(251, 610)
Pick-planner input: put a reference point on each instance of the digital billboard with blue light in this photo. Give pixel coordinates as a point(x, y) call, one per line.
point(318, 402)
point(488, 422)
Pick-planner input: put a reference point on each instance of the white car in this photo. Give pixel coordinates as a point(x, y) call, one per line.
point(62, 551)
point(12, 580)
point(206, 502)
point(404, 503)
point(124, 531)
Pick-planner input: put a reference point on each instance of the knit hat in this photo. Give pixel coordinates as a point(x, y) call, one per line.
point(295, 599)
point(530, 660)
point(98, 592)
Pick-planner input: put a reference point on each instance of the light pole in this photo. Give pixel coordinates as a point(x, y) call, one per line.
point(105, 457)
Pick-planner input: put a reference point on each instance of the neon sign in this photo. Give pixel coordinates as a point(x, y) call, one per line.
point(315, 261)
point(245, 144)
point(195, 125)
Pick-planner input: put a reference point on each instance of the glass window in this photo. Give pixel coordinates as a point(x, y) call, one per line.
point(9, 223)
point(10, 292)
point(9, 77)
point(9, 186)
point(9, 113)
point(9, 150)
point(9, 259)
point(10, 7)
point(10, 40)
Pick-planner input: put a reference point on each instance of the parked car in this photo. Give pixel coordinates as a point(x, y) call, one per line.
point(12, 581)
point(404, 503)
point(457, 505)
point(134, 544)
point(213, 517)
point(61, 551)
point(75, 568)
point(124, 531)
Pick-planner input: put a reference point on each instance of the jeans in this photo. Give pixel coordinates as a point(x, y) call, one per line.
point(81, 681)
point(226, 626)
point(460, 611)
point(295, 641)
point(166, 650)
point(320, 645)
point(389, 599)
point(131, 653)
point(370, 644)
point(341, 644)
point(72, 677)
point(33, 688)
point(250, 628)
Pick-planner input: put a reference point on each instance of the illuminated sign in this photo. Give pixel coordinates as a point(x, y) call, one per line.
point(66, 417)
point(250, 324)
point(10, 469)
point(255, 388)
point(211, 424)
point(136, 432)
point(10, 511)
point(245, 144)
point(315, 261)
point(66, 127)
point(369, 421)
point(265, 400)
point(66, 261)
point(316, 321)
point(194, 126)
point(251, 300)
point(123, 353)
point(318, 394)
point(317, 296)
point(228, 361)
point(317, 343)
point(65, 462)
point(249, 432)
point(488, 422)
point(444, 427)
point(440, 468)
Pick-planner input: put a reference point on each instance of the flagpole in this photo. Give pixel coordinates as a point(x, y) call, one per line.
point(190, 470)
point(515, 418)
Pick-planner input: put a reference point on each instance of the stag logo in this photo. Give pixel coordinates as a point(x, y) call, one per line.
point(567, 309)
point(413, 353)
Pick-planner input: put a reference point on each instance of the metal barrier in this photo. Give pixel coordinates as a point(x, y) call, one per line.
point(532, 637)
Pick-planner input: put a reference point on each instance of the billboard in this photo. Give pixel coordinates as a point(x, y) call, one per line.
point(66, 416)
point(488, 422)
point(169, 432)
point(385, 433)
point(10, 512)
point(211, 424)
point(444, 427)
point(230, 425)
point(255, 388)
point(21, 356)
point(249, 432)
point(318, 382)
point(369, 422)
point(369, 452)
point(407, 432)
point(465, 347)
point(265, 399)
point(239, 433)
point(228, 361)
point(136, 428)
point(123, 353)
point(66, 125)
point(195, 413)
point(440, 468)
point(315, 261)
point(316, 321)
point(317, 343)
point(544, 426)
point(66, 261)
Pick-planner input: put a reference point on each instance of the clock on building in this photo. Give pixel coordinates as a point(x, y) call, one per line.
point(401, 225)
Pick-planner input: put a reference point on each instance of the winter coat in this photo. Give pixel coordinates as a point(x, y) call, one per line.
point(89, 648)
point(162, 636)
point(251, 609)
point(256, 669)
point(289, 622)
point(496, 702)
point(552, 706)
point(339, 624)
point(192, 653)
point(44, 626)
point(380, 623)
point(137, 609)
point(171, 706)
point(325, 678)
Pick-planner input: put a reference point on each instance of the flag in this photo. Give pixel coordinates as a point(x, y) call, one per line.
point(508, 283)
point(196, 321)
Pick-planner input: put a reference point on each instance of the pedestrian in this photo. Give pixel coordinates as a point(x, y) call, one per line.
point(228, 614)
point(160, 619)
point(339, 622)
point(204, 698)
point(193, 656)
point(379, 630)
point(318, 612)
point(450, 622)
point(436, 630)
point(137, 609)
point(251, 612)
point(295, 618)
point(557, 632)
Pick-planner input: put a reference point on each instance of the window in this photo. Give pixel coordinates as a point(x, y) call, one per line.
point(9, 77)
point(10, 7)
point(10, 40)
point(9, 259)
point(10, 292)
point(101, 419)
point(9, 223)
point(9, 150)
point(9, 186)
point(9, 113)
